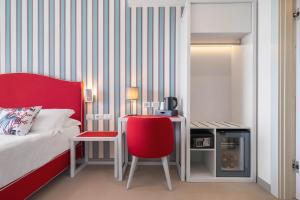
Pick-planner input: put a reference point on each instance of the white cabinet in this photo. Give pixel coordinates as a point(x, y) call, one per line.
point(218, 76)
point(220, 23)
point(221, 18)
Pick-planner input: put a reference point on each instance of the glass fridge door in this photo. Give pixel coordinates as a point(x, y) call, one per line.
point(232, 154)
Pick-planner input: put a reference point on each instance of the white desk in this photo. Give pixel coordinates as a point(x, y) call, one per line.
point(180, 135)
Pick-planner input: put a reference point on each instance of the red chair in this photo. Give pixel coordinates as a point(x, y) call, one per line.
point(150, 137)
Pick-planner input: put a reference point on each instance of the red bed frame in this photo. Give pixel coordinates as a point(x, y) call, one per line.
point(22, 90)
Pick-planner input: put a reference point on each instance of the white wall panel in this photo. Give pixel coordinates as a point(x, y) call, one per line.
point(264, 91)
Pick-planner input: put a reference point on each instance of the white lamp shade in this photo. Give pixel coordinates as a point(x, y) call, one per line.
point(132, 93)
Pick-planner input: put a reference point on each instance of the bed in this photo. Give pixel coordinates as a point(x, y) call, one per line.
point(24, 90)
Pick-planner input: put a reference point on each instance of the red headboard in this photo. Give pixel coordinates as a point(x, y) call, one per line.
point(23, 89)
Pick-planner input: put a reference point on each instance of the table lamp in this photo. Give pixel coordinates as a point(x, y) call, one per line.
point(132, 95)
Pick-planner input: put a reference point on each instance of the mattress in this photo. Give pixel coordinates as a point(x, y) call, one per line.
point(22, 154)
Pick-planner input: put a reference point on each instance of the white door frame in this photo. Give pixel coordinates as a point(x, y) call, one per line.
point(298, 98)
point(286, 100)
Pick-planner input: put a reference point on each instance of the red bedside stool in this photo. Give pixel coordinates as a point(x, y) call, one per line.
point(90, 136)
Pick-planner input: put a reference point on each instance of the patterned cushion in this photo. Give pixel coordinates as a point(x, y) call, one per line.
point(17, 121)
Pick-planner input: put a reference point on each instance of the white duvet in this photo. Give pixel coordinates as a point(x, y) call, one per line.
point(22, 154)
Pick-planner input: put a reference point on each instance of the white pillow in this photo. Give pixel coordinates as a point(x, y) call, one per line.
point(2, 113)
point(51, 119)
point(17, 121)
point(71, 122)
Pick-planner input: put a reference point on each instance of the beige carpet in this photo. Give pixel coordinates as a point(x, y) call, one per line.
point(97, 182)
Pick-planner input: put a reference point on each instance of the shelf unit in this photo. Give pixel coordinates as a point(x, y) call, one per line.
point(217, 76)
point(216, 125)
point(201, 163)
point(199, 170)
point(208, 149)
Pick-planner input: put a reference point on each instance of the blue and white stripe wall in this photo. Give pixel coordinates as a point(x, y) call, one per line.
point(102, 42)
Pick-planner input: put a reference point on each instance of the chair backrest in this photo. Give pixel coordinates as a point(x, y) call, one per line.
point(150, 136)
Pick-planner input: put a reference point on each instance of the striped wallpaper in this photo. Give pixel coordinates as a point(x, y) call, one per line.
point(102, 42)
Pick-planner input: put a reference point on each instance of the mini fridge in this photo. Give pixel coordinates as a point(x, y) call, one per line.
point(233, 153)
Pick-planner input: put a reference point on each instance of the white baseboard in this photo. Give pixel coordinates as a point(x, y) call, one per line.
point(266, 186)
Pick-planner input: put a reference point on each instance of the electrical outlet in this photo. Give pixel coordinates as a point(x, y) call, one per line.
point(98, 116)
point(155, 104)
point(108, 116)
point(147, 104)
point(89, 116)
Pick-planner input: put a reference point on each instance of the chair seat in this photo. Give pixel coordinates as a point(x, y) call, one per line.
point(99, 134)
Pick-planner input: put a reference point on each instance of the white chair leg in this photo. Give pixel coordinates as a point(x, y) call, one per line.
point(132, 169)
point(166, 169)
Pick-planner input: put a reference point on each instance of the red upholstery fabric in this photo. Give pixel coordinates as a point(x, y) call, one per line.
point(99, 134)
point(150, 136)
point(23, 90)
